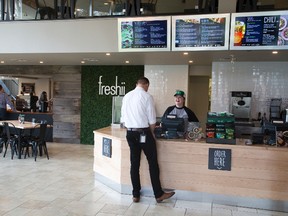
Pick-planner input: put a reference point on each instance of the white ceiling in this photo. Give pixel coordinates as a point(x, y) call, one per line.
point(143, 58)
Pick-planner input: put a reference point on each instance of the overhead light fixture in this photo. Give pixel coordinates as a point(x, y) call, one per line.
point(127, 62)
point(41, 62)
point(82, 62)
point(185, 53)
point(274, 52)
point(108, 54)
point(2, 62)
point(191, 61)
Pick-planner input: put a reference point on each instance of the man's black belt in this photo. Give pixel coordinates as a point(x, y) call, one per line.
point(137, 129)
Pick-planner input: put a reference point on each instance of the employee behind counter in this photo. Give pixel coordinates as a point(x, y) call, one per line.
point(175, 120)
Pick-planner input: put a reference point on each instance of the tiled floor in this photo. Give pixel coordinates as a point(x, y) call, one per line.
point(65, 185)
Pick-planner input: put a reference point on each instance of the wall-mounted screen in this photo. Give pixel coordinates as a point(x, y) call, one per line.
point(259, 30)
point(200, 32)
point(144, 34)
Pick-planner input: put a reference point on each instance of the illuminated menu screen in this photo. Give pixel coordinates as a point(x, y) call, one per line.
point(193, 32)
point(260, 31)
point(144, 34)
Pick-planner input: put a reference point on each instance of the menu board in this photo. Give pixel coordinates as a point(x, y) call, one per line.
point(200, 32)
point(144, 34)
point(262, 30)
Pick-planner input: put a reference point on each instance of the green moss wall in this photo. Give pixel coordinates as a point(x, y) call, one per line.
point(96, 109)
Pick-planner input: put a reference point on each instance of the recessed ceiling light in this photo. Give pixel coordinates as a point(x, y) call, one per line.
point(41, 62)
point(185, 53)
point(275, 52)
point(82, 62)
point(2, 62)
point(191, 61)
point(108, 54)
point(127, 62)
point(106, 3)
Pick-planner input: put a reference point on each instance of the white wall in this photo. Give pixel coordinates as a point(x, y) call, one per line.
point(265, 80)
point(164, 80)
point(59, 36)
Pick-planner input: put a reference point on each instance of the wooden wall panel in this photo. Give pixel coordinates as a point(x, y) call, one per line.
point(67, 104)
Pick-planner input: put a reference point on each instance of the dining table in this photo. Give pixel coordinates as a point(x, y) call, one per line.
point(21, 126)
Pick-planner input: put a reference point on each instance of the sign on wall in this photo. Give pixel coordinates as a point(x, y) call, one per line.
point(200, 32)
point(144, 34)
point(28, 87)
point(219, 159)
point(107, 147)
point(259, 30)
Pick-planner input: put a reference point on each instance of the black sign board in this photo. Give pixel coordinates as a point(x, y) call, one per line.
point(259, 30)
point(107, 147)
point(219, 159)
point(143, 34)
point(200, 32)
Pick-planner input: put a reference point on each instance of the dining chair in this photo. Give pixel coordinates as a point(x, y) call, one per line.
point(149, 7)
point(207, 6)
point(119, 8)
point(12, 138)
point(43, 10)
point(246, 5)
point(3, 139)
point(38, 142)
point(66, 9)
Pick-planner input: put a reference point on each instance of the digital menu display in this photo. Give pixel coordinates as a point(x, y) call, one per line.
point(262, 30)
point(200, 32)
point(144, 34)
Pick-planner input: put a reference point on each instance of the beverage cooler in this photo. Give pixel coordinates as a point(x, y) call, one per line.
point(116, 110)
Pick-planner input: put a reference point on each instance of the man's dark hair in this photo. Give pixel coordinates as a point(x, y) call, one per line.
point(143, 81)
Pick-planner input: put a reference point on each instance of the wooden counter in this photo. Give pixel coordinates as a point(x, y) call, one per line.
point(258, 176)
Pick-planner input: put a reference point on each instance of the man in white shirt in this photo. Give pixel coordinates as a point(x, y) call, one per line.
point(139, 117)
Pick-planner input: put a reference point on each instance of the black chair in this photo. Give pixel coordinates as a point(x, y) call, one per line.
point(120, 8)
point(207, 6)
point(38, 142)
point(66, 9)
point(2, 9)
point(3, 139)
point(43, 10)
point(149, 7)
point(246, 5)
point(12, 139)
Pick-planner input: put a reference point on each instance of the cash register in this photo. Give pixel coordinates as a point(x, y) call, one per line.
point(171, 127)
